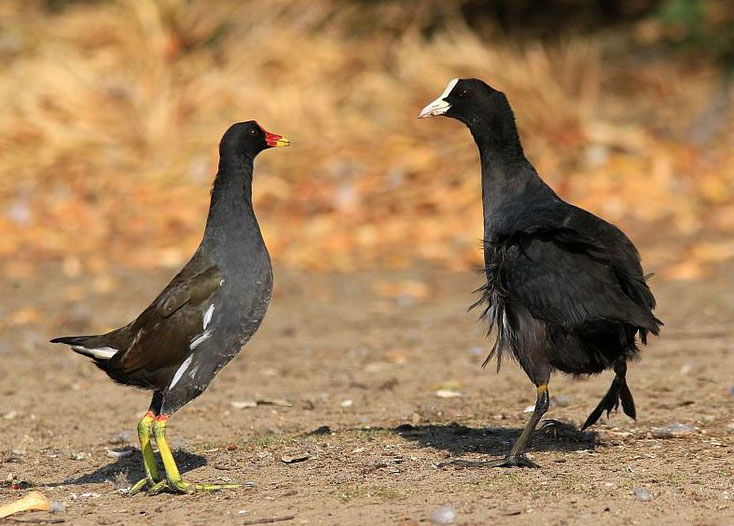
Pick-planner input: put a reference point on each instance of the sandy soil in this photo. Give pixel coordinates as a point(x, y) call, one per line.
point(368, 367)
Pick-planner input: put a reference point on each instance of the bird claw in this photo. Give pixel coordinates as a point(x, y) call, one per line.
point(552, 426)
point(462, 464)
point(145, 483)
point(512, 461)
point(181, 486)
point(550, 423)
point(515, 461)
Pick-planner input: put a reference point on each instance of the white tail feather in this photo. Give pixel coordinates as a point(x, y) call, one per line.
point(103, 353)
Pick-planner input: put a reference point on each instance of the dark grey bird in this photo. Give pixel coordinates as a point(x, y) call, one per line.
point(205, 314)
point(565, 289)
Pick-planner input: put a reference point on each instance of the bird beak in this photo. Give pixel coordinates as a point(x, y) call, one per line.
point(274, 140)
point(437, 107)
point(440, 105)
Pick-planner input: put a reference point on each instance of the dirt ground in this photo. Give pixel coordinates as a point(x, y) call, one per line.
point(361, 370)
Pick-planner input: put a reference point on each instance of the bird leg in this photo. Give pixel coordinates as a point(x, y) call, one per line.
point(517, 457)
point(151, 469)
point(617, 391)
point(173, 481)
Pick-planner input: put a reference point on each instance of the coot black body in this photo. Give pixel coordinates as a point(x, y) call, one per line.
point(565, 289)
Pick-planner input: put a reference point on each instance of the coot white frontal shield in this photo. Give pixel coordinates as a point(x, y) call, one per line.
point(438, 106)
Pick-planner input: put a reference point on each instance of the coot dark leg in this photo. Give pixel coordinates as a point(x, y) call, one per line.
point(617, 391)
point(517, 457)
point(173, 480)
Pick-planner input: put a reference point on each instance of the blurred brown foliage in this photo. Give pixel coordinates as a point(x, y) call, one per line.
point(111, 113)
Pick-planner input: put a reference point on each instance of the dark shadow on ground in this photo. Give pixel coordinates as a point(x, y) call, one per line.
point(130, 468)
point(458, 439)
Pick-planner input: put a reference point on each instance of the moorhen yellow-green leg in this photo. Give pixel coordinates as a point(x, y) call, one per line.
point(173, 481)
point(145, 427)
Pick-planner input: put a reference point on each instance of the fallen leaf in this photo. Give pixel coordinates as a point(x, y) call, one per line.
point(34, 501)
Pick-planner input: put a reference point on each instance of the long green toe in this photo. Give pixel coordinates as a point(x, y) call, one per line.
point(140, 485)
point(181, 486)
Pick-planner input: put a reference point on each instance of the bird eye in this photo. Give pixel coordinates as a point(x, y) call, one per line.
point(253, 132)
point(463, 93)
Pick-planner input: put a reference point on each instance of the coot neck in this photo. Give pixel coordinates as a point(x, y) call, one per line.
point(509, 181)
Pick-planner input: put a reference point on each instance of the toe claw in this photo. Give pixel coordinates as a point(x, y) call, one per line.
point(181, 486)
point(550, 423)
point(516, 461)
point(159, 487)
point(462, 464)
point(140, 485)
point(552, 427)
point(216, 487)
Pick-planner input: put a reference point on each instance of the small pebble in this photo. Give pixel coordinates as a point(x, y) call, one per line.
point(292, 459)
point(347, 403)
point(243, 404)
point(10, 415)
point(642, 494)
point(82, 455)
point(57, 507)
point(274, 401)
point(121, 453)
point(323, 430)
point(446, 393)
point(444, 515)
point(676, 429)
point(529, 409)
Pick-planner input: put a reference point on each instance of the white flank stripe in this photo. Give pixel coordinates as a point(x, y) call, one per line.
point(182, 369)
point(103, 353)
point(199, 339)
point(208, 315)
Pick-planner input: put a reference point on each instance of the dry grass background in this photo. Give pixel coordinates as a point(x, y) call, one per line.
point(111, 113)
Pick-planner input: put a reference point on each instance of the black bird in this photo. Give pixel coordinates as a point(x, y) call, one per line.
point(203, 317)
point(565, 289)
